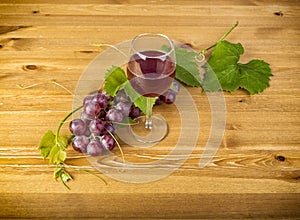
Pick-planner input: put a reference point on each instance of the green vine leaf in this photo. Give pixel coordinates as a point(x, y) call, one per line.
point(255, 76)
point(115, 77)
point(46, 144)
point(138, 100)
point(224, 72)
point(187, 70)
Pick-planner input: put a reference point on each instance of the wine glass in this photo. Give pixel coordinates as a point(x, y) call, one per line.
point(151, 71)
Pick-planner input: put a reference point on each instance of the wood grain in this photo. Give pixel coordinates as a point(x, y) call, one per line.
point(256, 170)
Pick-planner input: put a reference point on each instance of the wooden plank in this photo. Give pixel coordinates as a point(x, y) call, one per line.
point(200, 20)
point(278, 164)
point(74, 63)
point(181, 33)
point(155, 205)
point(39, 181)
point(146, 10)
point(282, 166)
point(158, 2)
point(44, 41)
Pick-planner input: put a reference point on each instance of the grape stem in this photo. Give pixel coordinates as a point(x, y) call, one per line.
point(63, 121)
point(122, 154)
point(204, 51)
point(86, 171)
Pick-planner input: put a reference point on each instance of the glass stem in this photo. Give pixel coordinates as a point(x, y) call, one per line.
point(148, 123)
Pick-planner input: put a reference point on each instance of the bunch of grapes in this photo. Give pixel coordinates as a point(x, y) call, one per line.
point(94, 130)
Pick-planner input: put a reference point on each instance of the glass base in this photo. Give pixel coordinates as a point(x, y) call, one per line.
point(157, 133)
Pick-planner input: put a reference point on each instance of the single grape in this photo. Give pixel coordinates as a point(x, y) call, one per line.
point(92, 108)
point(108, 142)
point(108, 97)
point(110, 127)
point(168, 97)
point(97, 126)
point(121, 97)
point(101, 100)
point(124, 107)
point(114, 115)
point(94, 148)
point(87, 132)
point(80, 143)
point(158, 101)
point(135, 112)
point(77, 127)
point(86, 118)
point(87, 99)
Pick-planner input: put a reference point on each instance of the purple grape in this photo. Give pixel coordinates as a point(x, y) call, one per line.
point(114, 115)
point(92, 108)
point(168, 97)
point(97, 126)
point(108, 142)
point(110, 127)
point(135, 112)
point(77, 127)
point(80, 143)
point(87, 99)
point(101, 100)
point(94, 148)
point(158, 101)
point(124, 107)
point(108, 97)
point(86, 118)
point(87, 132)
point(121, 97)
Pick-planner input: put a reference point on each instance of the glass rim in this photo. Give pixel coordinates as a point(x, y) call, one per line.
point(152, 34)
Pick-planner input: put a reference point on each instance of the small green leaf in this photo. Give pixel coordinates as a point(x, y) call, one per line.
point(64, 176)
point(63, 141)
point(138, 100)
point(187, 70)
point(46, 143)
point(54, 155)
point(62, 156)
point(115, 77)
point(57, 172)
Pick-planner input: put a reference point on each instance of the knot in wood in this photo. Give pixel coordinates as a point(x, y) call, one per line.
point(30, 67)
point(280, 158)
point(278, 13)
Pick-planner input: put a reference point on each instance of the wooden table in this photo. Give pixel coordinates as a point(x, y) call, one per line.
point(256, 171)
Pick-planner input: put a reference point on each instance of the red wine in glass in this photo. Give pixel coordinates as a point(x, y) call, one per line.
point(151, 72)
